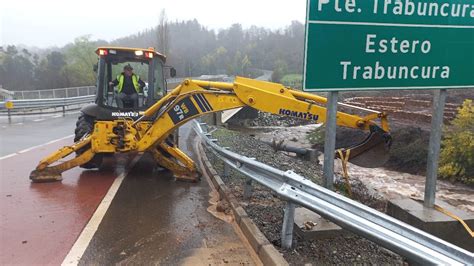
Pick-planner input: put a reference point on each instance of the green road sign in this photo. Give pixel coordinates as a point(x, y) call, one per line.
point(389, 44)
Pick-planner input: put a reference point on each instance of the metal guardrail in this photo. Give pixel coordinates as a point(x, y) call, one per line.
point(54, 93)
point(87, 90)
point(23, 107)
point(49, 103)
point(391, 233)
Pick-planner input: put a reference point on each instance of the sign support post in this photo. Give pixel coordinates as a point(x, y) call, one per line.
point(9, 106)
point(330, 140)
point(439, 100)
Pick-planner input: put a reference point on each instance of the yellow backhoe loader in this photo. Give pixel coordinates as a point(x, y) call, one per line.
point(105, 129)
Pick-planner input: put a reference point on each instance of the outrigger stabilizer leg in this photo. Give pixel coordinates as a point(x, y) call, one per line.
point(169, 157)
point(46, 173)
point(173, 159)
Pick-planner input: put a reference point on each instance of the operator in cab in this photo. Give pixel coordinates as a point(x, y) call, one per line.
point(129, 85)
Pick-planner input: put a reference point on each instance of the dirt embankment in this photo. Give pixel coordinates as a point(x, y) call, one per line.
point(410, 114)
point(411, 107)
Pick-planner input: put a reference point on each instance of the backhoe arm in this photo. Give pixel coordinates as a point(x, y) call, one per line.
point(194, 98)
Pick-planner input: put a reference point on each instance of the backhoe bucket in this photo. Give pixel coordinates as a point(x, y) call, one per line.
point(45, 172)
point(372, 152)
point(44, 176)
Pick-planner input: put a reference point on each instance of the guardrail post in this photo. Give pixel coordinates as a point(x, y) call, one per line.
point(226, 170)
point(9, 116)
point(248, 188)
point(64, 110)
point(434, 147)
point(330, 140)
point(288, 224)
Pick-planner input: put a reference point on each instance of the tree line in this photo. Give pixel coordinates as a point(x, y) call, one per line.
point(69, 66)
point(189, 46)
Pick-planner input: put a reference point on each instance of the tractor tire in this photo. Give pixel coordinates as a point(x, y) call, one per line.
point(85, 125)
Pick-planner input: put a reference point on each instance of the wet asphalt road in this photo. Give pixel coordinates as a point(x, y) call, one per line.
point(39, 222)
point(153, 219)
point(26, 132)
point(157, 220)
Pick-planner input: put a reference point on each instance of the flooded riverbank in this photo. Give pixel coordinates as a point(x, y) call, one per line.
point(389, 184)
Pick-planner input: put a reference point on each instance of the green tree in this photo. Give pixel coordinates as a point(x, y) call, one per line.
point(457, 154)
point(209, 63)
point(245, 65)
point(81, 58)
point(16, 69)
point(163, 33)
point(50, 73)
point(280, 69)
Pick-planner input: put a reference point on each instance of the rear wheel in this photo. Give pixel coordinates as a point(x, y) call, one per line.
point(85, 125)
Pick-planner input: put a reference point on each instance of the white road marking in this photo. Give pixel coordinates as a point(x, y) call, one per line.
point(39, 120)
point(57, 116)
point(82, 242)
point(8, 156)
point(34, 147)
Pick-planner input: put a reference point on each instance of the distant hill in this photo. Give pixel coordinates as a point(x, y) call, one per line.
point(191, 48)
point(195, 50)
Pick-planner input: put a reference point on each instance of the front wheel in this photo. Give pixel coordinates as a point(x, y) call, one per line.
point(85, 125)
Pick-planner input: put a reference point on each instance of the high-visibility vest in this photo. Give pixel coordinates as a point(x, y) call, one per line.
point(135, 79)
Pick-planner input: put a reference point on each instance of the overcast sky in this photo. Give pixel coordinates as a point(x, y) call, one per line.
point(44, 23)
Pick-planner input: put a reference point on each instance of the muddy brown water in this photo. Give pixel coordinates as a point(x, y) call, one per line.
point(388, 183)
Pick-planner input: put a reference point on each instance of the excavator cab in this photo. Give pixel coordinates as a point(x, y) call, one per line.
point(147, 64)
